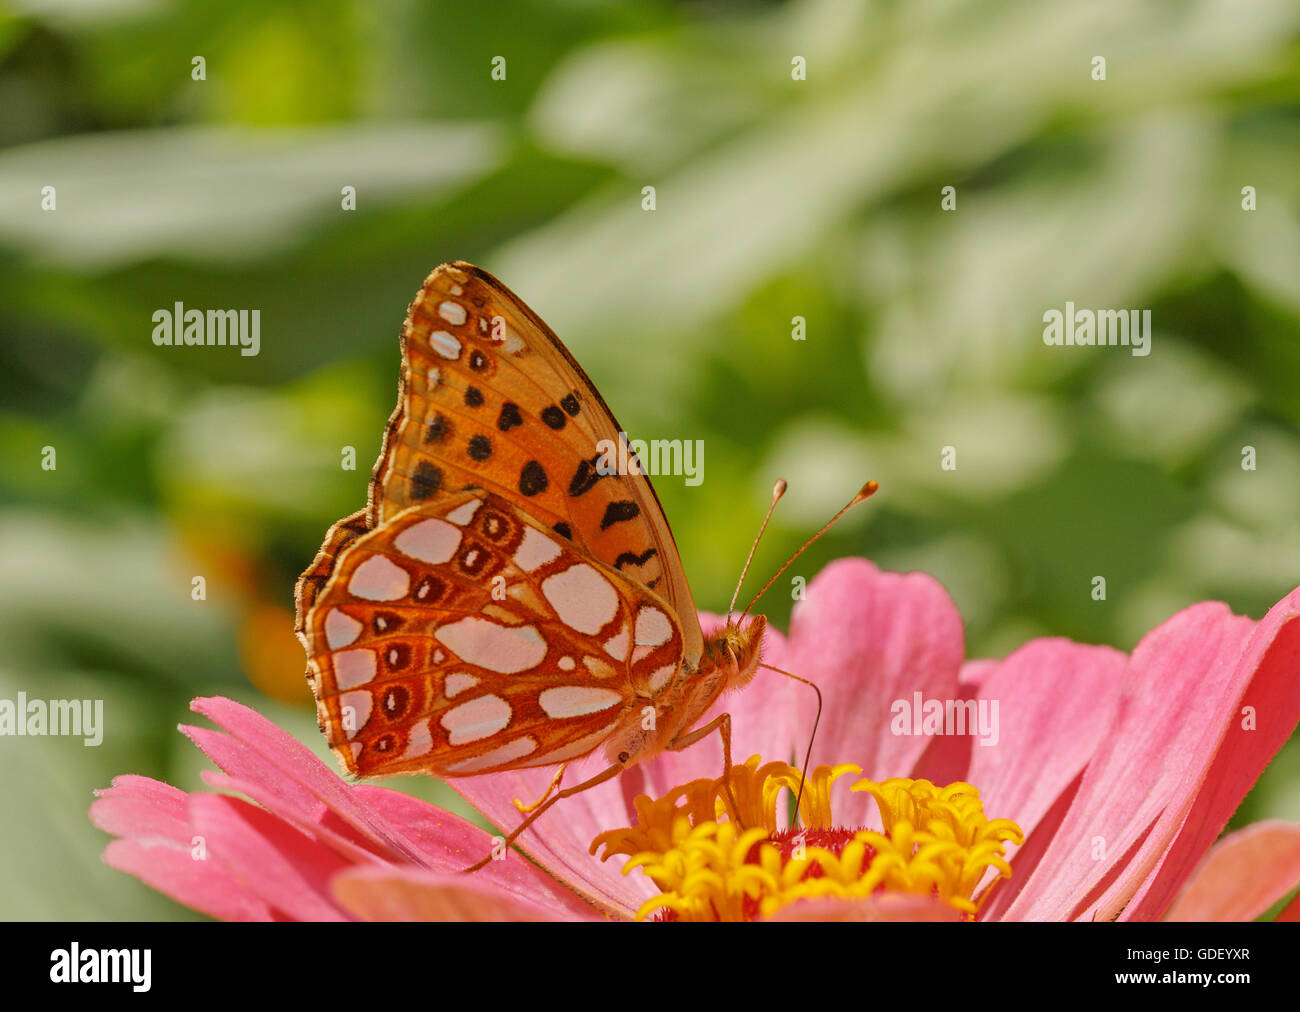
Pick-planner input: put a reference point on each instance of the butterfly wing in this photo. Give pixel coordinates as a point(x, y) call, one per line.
point(317, 575)
point(464, 636)
point(491, 399)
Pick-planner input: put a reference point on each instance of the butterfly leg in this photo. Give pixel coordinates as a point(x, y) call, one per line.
point(721, 724)
point(555, 782)
point(606, 774)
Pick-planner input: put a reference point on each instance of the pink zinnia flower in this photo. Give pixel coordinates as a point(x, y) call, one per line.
point(1118, 772)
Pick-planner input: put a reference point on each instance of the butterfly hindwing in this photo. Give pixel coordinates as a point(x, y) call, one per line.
point(317, 575)
point(464, 636)
point(491, 399)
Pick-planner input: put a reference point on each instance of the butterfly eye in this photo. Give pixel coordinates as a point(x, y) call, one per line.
point(623, 757)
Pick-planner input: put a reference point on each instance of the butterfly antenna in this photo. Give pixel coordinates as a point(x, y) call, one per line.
point(864, 493)
point(803, 770)
point(778, 490)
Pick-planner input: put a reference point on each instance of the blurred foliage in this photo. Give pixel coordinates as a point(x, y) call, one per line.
point(775, 199)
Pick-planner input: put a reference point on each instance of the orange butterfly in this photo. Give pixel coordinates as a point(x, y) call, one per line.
point(503, 602)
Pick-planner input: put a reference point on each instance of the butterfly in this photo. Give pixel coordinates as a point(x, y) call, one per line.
point(506, 599)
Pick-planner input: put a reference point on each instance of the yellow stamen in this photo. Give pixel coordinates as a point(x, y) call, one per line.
point(936, 841)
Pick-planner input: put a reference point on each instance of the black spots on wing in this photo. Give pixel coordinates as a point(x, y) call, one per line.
point(509, 416)
point(632, 559)
point(384, 622)
point(473, 397)
point(553, 417)
point(532, 479)
point(569, 402)
point(584, 477)
point(425, 482)
point(438, 430)
point(397, 656)
point(617, 512)
point(429, 590)
point(564, 530)
point(480, 448)
point(396, 700)
point(495, 526)
point(473, 558)
point(478, 361)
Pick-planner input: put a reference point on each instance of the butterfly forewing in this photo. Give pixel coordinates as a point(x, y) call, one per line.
point(491, 399)
point(463, 636)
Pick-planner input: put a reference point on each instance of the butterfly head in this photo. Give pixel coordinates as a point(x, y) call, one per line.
point(738, 648)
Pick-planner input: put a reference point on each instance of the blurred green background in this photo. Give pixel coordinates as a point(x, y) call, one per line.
point(776, 198)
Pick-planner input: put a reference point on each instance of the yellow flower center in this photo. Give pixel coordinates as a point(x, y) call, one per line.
point(707, 867)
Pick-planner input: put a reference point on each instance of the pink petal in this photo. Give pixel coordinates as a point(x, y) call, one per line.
point(1024, 862)
point(260, 752)
point(332, 832)
point(1243, 875)
point(197, 884)
point(1267, 681)
point(877, 907)
point(289, 871)
point(454, 844)
point(974, 672)
point(408, 894)
point(1171, 711)
point(560, 838)
point(137, 806)
point(156, 847)
point(868, 638)
point(1055, 700)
